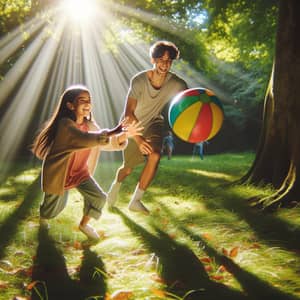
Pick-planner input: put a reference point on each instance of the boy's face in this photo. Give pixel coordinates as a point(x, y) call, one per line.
point(163, 64)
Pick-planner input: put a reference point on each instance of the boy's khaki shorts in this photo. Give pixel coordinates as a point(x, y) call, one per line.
point(132, 156)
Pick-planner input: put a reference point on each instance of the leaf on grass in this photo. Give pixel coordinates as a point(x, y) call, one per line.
point(207, 236)
point(234, 252)
point(255, 246)
point(217, 277)
point(221, 269)
point(206, 259)
point(4, 284)
point(77, 245)
point(172, 236)
point(121, 295)
point(157, 278)
point(159, 293)
point(208, 268)
point(23, 272)
point(225, 252)
point(138, 251)
point(107, 296)
point(32, 284)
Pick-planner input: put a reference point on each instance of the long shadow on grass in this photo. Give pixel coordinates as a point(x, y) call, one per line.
point(267, 227)
point(180, 267)
point(13, 169)
point(254, 287)
point(9, 227)
point(53, 281)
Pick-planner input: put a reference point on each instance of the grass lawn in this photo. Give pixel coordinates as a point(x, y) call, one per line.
point(201, 241)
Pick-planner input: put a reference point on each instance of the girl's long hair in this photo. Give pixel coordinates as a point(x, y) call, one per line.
point(45, 137)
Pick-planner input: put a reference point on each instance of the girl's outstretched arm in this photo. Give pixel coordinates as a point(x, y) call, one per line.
point(129, 130)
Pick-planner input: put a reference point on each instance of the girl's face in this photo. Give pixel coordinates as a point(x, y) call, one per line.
point(163, 64)
point(81, 107)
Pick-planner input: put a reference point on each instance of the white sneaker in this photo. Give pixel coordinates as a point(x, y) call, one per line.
point(138, 206)
point(89, 231)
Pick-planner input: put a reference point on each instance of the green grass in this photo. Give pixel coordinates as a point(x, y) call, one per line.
point(201, 241)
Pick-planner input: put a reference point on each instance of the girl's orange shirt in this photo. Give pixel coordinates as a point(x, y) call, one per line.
point(78, 165)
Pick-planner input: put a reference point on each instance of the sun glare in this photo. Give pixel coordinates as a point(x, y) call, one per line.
point(79, 11)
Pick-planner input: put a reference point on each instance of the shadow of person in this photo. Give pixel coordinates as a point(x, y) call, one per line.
point(180, 268)
point(10, 226)
point(253, 286)
point(51, 275)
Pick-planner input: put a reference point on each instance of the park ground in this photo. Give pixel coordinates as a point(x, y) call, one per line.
point(203, 240)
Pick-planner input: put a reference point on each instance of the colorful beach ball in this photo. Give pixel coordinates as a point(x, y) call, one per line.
point(195, 115)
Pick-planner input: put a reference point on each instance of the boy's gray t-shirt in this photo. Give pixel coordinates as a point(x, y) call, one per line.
point(151, 101)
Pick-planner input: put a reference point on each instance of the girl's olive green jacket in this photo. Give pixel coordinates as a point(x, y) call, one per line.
point(69, 139)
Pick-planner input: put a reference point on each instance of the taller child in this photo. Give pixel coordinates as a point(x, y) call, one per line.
point(149, 92)
point(69, 146)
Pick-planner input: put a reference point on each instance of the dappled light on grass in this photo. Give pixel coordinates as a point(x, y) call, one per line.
point(27, 176)
point(198, 235)
point(216, 175)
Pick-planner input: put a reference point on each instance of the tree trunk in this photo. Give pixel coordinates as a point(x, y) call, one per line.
point(277, 160)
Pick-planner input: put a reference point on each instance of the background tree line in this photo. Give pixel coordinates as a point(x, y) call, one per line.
point(229, 42)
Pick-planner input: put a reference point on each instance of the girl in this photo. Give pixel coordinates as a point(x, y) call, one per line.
point(69, 146)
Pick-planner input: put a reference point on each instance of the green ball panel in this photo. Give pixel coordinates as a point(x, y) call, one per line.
point(179, 105)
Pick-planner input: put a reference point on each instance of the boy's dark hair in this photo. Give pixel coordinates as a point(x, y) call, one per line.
point(158, 49)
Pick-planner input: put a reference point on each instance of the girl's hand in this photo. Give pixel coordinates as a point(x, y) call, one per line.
point(132, 129)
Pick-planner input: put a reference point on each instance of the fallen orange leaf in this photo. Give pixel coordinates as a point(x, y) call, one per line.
point(4, 284)
point(208, 268)
point(225, 252)
point(255, 246)
point(159, 293)
point(207, 236)
point(172, 235)
point(77, 245)
point(221, 269)
point(121, 295)
point(32, 284)
point(205, 259)
point(234, 252)
point(217, 277)
point(157, 279)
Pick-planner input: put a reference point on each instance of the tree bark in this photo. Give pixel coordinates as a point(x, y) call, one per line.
point(277, 159)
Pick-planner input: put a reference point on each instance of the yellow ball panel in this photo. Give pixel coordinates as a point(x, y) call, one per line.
point(184, 123)
point(217, 119)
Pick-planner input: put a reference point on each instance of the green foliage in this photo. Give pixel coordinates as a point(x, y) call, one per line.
point(244, 32)
point(13, 13)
